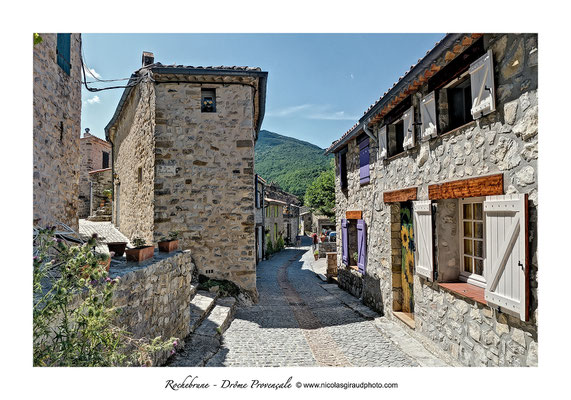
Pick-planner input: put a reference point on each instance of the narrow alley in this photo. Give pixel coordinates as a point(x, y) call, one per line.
point(302, 321)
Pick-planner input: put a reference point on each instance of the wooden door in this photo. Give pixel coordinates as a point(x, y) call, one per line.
point(407, 263)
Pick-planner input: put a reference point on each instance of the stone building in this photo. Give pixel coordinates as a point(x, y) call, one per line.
point(96, 164)
point(259, 216)
point(312, 222)
point(274, 220)
point(183, 160)
point(289, 226)
point(57, 121)
point(436, 195)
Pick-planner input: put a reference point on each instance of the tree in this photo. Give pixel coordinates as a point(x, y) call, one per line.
point(320, 195)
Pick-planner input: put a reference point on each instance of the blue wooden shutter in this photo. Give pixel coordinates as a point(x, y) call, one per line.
point(364, 161)
point(361, 245)
point(344, 242)
point(63, 51)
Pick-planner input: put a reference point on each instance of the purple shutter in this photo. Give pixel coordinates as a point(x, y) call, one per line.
point(361, 245)
point(344, 242)
point(364, 161)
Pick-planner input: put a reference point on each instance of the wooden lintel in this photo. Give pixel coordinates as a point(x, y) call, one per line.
point(400, 195)
point(474, 187)
point(354, 214)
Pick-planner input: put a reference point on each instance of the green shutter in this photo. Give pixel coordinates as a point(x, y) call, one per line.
point(63, 51)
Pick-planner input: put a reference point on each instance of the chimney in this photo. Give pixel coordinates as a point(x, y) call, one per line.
point(86, 133)
point(148, 58)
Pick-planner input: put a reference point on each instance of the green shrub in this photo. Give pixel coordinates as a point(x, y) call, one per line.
point(73, 314)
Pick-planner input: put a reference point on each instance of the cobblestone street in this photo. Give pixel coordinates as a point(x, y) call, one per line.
point(302, 321)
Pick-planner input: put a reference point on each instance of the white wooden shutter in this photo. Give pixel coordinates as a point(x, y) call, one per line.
point(428, 117)
point(423, 259)
point(408, 119)
point(383, 142)
point(482, 86)
point(506, 262)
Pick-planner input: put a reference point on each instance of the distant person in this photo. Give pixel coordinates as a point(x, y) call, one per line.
point(314, 242)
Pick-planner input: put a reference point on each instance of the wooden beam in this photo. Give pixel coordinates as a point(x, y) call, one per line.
point(474, 187)
point(354, 214)
point(400, 195)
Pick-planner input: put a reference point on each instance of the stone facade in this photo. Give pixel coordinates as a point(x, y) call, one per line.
point(57, 121)
point(155, 300)
point(502, 142)
point(92, 149)
point(291, 212)
point(179, 168)
point(274, 220)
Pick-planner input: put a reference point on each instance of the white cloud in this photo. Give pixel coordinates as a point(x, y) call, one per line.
point(288, 110)
point(91, 73)
point(334, 116)
point(352, 76)
point(94, 99)
point(312, 111)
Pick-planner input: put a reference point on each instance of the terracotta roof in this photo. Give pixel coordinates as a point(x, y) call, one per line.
point(274, 201)
point(411, 80)
point(221, 67)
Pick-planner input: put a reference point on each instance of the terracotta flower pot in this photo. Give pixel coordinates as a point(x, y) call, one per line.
point(140, 253)
point(316, 257)
point(117, 247)
point(168, 245)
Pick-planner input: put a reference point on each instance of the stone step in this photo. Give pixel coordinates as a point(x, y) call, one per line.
point(219, 318)
point(200, 306)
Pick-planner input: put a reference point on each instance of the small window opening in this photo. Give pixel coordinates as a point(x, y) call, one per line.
point(396, 138)
point(459, 103)
point(208, 100)
point(105, 163)
point(140, 175)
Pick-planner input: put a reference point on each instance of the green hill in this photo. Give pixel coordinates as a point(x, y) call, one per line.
point(291, 163)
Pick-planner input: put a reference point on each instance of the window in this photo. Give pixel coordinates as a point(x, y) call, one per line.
point(105, 163)
point(208, 100)
point(472, 238)
point(63, 51)
point(364, 171)
point(342, 167)
point(459, 102)
point(140, 175)
point(395, 134)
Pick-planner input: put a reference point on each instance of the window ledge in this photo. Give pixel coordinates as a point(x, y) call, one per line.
point(455, 130)
point(467, 290)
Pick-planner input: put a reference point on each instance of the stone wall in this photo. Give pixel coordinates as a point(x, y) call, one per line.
point(505, 141)
point(326, 247)
point(133, 161)
point(57, 120)
point(155, 300)
point(92, 149)
point(101, 180)
point(204, 177)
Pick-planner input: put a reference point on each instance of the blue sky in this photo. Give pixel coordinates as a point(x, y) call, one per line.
point(319, 85)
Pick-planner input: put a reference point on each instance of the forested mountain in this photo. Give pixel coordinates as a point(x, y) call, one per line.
point(291, 163)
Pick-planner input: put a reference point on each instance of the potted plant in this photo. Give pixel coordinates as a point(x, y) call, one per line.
point(141, 252)
point(169, 244)
point(356, 257)
point(108, 193)
point(105, 260)
point(118, 248)
point(316, 255)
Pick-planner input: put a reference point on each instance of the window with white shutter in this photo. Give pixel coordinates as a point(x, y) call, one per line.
point(482, 86)
point(424, 265)
point(408, 120)
point(506, 263)
point(472, 238)
point(428, 116)
point(383, 142)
